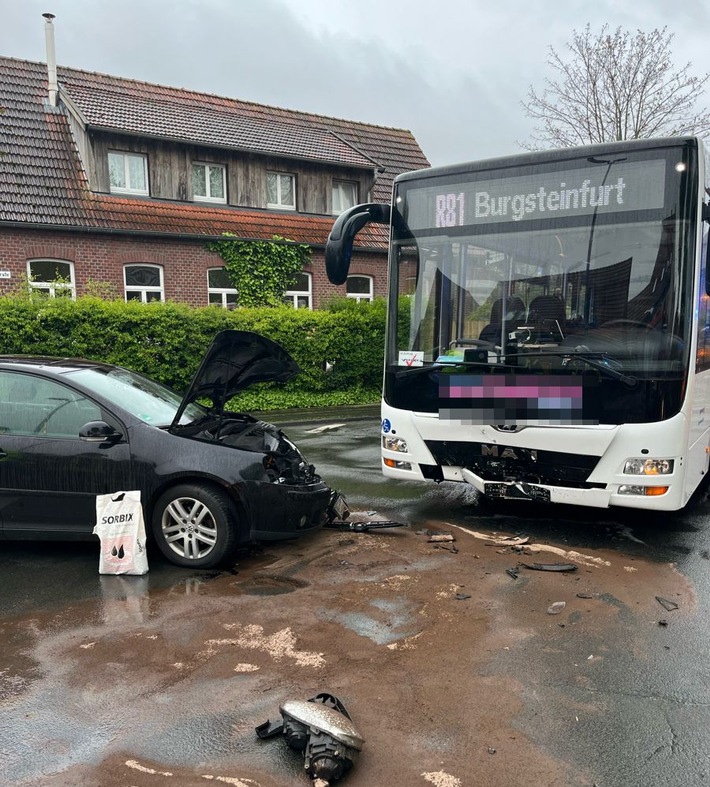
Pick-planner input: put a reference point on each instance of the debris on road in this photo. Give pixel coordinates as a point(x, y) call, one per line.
point(461, 596)
point(556, 608)
point(512, 572)
point(440, 537)
point(363, 527)
point(322, 729)
point(550, 566)
point(508, 541)
point(669, 606)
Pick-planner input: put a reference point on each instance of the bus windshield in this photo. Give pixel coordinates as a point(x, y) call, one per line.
point(570, 266)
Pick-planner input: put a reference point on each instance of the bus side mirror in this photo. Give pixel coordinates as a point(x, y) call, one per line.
point(339, 246)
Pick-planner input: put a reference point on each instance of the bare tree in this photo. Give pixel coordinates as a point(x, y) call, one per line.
point(615, 85)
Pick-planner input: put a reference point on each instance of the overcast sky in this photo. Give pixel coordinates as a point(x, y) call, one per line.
point(454, 72)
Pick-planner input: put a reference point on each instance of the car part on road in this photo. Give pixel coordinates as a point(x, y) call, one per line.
point(363, 527)
point(337, 507)
point(550, 566)
point(322, 729)
point(669, 606)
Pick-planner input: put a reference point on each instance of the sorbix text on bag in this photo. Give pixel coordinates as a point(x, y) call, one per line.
point(120, 527)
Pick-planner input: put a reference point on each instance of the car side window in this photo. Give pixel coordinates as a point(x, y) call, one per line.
point(31, 405)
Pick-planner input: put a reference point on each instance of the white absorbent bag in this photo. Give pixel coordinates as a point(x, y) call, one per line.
point(121, 529)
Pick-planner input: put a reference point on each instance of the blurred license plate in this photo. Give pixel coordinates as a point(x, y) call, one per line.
point(518, 491)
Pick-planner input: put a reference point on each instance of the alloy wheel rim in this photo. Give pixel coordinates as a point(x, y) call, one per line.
point(189, 529)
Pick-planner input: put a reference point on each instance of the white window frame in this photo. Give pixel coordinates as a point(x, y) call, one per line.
point(279, 204)
point(291, 296)
point(223, 292)
point(51, 287)
point(144, 290)
point(337, 195)
point(360, 296)
point(126, 171)
point(208, 197)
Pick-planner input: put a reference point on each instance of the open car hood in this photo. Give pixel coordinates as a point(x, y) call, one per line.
point(234, 361)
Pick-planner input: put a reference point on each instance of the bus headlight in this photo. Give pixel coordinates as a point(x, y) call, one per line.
point(394, 444)
point(648, 467)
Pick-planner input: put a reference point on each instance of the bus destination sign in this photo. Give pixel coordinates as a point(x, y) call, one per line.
point(625, 186)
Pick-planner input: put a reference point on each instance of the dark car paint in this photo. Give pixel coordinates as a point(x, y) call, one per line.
point(48, 485)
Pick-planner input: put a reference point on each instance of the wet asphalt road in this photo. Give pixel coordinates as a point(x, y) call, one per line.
point(651, 719)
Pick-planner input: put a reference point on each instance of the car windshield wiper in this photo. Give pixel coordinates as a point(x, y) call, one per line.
point(583, 355)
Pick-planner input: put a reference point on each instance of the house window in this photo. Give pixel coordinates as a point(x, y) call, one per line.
point(209, 182)
point(220, 290)
point(55, 278)
point(359, 288)
point(280, 190)
point(299, 296)
point(344, 195)
point(128, 172)
point(143, 283)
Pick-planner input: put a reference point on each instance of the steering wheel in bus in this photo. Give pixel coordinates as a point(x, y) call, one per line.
point(624, 323)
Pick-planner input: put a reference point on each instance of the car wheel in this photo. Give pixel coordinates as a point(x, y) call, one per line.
point(195, 525)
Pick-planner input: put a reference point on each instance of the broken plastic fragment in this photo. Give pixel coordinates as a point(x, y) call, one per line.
point(669, 606)
point(551, 566)
point(556, 608)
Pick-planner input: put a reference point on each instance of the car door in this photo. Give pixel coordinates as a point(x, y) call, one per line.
point(49, 476)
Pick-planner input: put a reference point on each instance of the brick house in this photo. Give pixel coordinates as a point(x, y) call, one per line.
point(121, 183)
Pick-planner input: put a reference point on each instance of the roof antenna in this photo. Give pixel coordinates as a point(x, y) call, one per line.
point(51, 59)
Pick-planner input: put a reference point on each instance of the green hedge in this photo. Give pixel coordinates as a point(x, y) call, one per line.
point(167, 340)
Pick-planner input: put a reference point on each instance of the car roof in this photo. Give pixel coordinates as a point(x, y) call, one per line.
point(51, 364)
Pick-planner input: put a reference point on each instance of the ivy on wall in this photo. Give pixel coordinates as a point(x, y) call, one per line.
point(261, 270)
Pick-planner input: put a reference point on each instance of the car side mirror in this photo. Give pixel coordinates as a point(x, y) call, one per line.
point(99, 432)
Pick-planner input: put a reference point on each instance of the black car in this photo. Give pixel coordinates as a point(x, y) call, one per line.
point(210, 480)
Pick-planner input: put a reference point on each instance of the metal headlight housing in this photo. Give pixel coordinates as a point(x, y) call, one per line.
point(648, 467)
point(392, 443)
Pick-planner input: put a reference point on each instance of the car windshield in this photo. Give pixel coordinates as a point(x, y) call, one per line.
point(151, 401)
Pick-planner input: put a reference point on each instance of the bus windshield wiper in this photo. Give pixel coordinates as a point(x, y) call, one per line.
point(583, 355)
point(413, 371)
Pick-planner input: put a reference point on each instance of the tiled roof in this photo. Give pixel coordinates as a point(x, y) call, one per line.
point(42, 180)
point(168, 118)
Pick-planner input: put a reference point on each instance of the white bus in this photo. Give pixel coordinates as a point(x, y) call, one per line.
point(548, 332)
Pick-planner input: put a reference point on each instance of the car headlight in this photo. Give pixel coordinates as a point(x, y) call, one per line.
point(394, 444)
point(648, 467)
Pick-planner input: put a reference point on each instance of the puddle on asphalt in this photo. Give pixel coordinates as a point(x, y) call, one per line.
point(270, 585)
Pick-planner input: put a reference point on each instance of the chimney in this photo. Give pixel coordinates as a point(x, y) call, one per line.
point(51, 59)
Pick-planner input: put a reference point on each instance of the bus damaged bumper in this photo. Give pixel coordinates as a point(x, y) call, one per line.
point(435, 451)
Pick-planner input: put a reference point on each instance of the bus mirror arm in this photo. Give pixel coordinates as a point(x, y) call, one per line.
point(706, 218)
point(339, 246)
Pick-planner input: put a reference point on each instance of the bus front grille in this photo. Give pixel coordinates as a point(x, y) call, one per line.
point(494, 462)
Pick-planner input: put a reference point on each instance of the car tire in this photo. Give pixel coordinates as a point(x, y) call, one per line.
point(195, 525)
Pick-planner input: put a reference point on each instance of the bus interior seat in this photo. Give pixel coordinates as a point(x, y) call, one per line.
point(547, 313)
point(514, 316)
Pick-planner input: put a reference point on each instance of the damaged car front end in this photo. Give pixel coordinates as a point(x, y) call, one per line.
point(211, 480)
